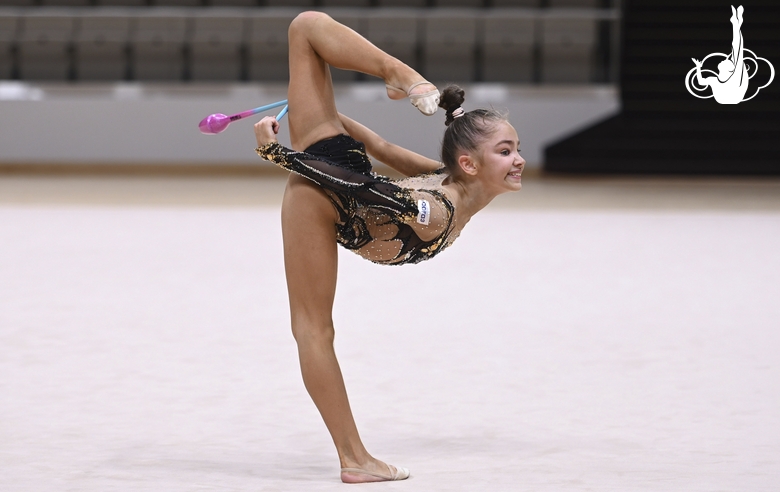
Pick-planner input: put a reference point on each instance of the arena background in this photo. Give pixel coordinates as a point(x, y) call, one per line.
point(613, 326)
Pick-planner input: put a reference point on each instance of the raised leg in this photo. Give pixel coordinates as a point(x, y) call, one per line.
point(317, 41)
point(311, 261)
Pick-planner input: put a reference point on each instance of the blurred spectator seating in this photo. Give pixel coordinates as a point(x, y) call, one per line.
point(290, 3)
point(267, 44)
point(402, 3)
point(157, 45)
point(177, 3)
point(215, 42)
point(44, 44)
point(345, 3)
point(8, 25)
point(122, 3)
point(395, 32)
point(232, 3)
point(508, 39)
point(18, 3)
point(100, 45)
point(66, 3)
point(515, 3)
point(568, 44)
point(131, 40)
point(575, 3)
point(449, 44)
point(459, 3)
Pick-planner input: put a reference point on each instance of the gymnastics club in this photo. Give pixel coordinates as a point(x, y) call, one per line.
point(216, 123)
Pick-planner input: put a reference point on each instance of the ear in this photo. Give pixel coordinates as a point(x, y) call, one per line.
point(467, 164)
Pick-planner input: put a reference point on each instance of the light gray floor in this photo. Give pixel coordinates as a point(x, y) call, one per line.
point(629, 343)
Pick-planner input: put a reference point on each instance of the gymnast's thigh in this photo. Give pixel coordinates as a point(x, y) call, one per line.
point(313, 114)
point(310, 251)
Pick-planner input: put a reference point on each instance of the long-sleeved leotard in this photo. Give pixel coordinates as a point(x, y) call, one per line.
point(387, 222)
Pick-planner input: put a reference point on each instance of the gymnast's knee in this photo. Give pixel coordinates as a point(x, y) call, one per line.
point(312, 331)
point(304, 21)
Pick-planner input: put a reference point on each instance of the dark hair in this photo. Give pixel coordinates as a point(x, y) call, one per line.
point(465, 132)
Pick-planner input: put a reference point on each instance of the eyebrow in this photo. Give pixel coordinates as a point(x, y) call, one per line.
point(510, 142)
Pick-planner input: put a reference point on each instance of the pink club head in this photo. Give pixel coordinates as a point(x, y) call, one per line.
point(214, 123)
point(217, 122)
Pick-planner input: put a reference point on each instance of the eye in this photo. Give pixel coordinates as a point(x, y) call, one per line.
point(505, 152)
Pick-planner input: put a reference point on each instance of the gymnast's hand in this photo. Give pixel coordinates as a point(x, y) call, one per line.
point(266, 130)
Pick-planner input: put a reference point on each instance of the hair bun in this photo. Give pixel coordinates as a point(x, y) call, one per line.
point(452, 98)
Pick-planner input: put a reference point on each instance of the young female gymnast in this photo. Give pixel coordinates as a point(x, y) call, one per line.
point(332, 197)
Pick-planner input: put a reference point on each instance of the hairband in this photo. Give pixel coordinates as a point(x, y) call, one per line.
point(457, 112)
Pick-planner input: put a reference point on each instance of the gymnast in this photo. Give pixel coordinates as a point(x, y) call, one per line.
point(332, 197)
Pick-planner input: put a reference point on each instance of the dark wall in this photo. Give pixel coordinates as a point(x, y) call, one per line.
point(662, 127)
point(661, 36)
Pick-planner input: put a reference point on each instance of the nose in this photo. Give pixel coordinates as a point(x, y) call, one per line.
point(520, 159)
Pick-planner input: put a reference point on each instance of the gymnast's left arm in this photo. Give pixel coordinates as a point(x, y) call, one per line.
point(402, 160)
point(266, 130)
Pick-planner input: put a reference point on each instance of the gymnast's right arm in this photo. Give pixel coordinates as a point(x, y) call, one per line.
point(402, 160)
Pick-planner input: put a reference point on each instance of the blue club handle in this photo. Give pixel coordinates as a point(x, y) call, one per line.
point(282, 112)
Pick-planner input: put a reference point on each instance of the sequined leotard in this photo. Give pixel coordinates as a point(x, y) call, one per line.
point(380, 219)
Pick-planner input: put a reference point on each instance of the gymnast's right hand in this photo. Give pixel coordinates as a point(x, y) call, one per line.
point(266, 130)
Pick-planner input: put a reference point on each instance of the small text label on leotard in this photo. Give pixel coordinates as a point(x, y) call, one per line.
point(424, 214)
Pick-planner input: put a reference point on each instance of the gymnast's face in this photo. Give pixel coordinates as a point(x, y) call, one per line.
point(499, 161)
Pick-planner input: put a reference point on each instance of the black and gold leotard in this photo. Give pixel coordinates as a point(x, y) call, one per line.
point(386, 221)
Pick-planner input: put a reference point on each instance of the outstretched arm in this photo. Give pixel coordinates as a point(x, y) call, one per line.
point(402, 160)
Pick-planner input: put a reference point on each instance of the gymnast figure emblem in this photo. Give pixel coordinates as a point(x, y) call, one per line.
point(730, 84)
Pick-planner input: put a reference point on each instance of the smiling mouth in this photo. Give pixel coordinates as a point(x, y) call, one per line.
point(516, 174)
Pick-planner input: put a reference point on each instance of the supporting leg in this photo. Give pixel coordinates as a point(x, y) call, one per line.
point(311, 259)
